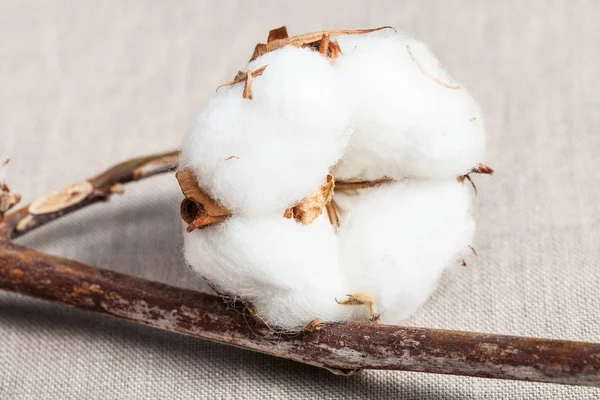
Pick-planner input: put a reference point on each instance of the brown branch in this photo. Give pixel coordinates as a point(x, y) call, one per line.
point(74, 197)
point(344, 348)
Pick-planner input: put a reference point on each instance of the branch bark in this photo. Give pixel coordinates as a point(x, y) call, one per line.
point(344, 348)
point(93, 190)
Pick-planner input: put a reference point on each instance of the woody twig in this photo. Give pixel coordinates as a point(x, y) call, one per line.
point(343, 348)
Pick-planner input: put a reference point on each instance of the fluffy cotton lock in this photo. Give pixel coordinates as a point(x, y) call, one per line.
point(410, 118)
point(265, 154)
point(258, 157)
point(397, 239)
point(290, 273)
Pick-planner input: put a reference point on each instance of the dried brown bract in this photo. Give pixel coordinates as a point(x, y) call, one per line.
point(278, 40)
point(329, 48)
point(478, 169)
point(277, 34)
point(247, 78)
point(362, 299)
point(311, 207)
point(198, 209)
point(482, 169)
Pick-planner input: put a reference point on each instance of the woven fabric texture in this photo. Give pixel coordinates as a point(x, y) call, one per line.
point(85, 84)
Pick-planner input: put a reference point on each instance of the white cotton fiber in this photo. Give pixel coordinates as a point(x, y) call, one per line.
point(265, 154)
point(410, 118)
point(290, 273)
point(398, 238)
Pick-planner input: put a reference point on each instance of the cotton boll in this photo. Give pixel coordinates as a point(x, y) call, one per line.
point(265, 154)
point(410, 118)
point(398, 238)
point(289, 272)
point(260, 156)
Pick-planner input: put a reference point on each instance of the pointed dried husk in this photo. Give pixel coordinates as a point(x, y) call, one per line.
point(311, 207)
point(245, 77)
point(198, 209)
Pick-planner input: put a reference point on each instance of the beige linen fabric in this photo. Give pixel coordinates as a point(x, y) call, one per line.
point(85, 84)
